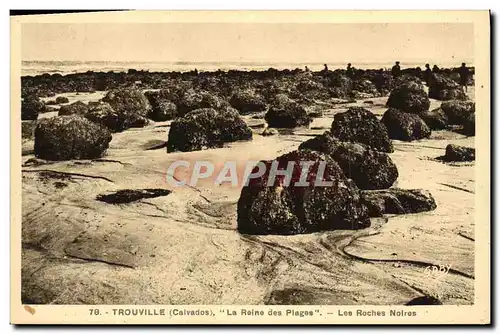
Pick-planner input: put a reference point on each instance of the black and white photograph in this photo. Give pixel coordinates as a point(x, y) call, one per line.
point(281, 164)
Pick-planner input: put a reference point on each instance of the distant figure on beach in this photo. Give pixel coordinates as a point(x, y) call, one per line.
point(350, 71)
point(396, 70)
point(307, 69)
point(427, 74)
point(464, 76)
point(435, 69)
point(195, 71)
point(326, 68)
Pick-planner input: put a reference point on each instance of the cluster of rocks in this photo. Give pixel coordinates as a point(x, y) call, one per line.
point(355, 153)
point(409, 118)
point(83, 131)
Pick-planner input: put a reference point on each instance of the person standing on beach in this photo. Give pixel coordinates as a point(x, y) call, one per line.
point(435, 69)
point(396, 70)
point(427, 74)
point(350, 71)
point(464, 76)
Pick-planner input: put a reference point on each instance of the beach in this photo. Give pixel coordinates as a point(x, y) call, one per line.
point(185, 248)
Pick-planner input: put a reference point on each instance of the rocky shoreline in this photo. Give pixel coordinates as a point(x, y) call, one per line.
point(95, 148)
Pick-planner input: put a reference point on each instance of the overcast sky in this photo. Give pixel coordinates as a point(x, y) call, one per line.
point(246, 42)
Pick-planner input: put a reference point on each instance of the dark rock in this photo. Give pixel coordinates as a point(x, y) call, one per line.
point(128, 101)
point(435, 119)
point(206, 128)
point(287, 114)
point(360, 125)
point(192, 100)
point(458, 111)
point(369, 169)
point(397, 201)
point(114, 120)
point(291, 209)
point(424, 300)
point(459, 153)
point(365, 86)
point(409, 97)
point(31, 106)
point(405, 126)
point(443, 88)
point(75, 108)
point(469, 124)
point(61, 99)
point(70, 137)
point(28, 129)
point(162, 108)
point(246, 101)
point(132, 195)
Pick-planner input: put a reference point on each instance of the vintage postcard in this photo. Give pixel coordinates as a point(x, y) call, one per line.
point(251, 167)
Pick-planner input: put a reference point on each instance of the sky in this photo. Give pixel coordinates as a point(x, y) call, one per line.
point(443, 43)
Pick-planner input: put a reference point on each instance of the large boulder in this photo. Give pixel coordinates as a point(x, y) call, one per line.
point(405, 126)
point(459, 153)
point(162, 109)
point(458, 111)
point(193, 99)
point(115, 121)
point(75, 108)
point(246, 101)
point(444, 88)
point(397, 201)
point(206, 128)
point(70, 137)
point(278, 208)
point(409, 97)
point(435, 119)
point(360, 125)
point(128, 101)
point(369, 169)
point(287, 114)
point(31, 106)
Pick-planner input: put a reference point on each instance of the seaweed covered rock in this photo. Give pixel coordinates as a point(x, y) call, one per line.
point(70, 137)
point(128, 101)
point(444, 88)
point(435, 119)
point(360, 125)
point(457, 111)
point(369, 169)
point(397, 201)
point(28, 129)
point(75, 108)
point(366, 87)
point(279, 208)
point(192, 100)
point(61, 100)
point(405, 126)
point(246, 101)
point(114, 120)
point(206, 128)
point(31, 106)
point(459, 153)
point(340, 85)
point(287, 114)
point(162, 109)
point(409, 97)
point(469, 125)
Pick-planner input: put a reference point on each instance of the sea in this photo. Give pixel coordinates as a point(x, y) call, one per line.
point(68, 67)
